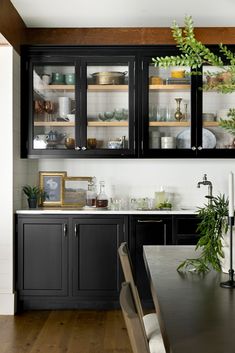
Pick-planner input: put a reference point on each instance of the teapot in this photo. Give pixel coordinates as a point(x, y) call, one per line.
point(54, 136)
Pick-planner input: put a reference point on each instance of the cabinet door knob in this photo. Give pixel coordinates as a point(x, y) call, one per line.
point(199, 148)
point(84, 148)
point(77, 148)
point(193, 148)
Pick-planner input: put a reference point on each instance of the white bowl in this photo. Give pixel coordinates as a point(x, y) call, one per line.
point(71, 117)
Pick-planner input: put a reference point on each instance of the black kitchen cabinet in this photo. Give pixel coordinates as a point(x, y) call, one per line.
point(147, 111)
point(147, 230)
point(69, 262)
point(185, 230)
point(42, 250)
point(80, 102)
point(96, 267)
point(72, 262)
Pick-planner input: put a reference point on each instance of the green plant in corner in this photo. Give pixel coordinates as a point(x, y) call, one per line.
point(195, 54)
point(212, 227)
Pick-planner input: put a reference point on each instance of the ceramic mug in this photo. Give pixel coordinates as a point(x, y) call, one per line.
point(70, 79)
point(57, 78)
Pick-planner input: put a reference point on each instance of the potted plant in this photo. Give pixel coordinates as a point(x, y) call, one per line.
point(212, 228)
point(34, 194)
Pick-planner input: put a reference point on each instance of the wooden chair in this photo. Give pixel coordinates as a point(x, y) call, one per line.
point(135, 329)
point(150, 321)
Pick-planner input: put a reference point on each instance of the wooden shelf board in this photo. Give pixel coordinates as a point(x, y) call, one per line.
point(104, 88)
point(170, 123)
point(170, 87)
point(210, 123)
point(54, 123)
point(182, 123)
point(108, 123)
point(123, 123)
point(58, 88)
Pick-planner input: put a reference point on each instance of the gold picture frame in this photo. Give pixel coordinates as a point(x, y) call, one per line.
point(74, 191)
point(52, 184)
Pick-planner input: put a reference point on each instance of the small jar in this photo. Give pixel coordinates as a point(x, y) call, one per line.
point(102, 199)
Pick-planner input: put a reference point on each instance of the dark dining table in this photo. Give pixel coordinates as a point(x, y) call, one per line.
point(195, 314)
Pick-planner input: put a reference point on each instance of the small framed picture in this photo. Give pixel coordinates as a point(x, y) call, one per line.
point(74, 191)
point(52, 184)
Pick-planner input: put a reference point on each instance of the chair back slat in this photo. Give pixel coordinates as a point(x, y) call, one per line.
point(136, 333)
point(127, 268)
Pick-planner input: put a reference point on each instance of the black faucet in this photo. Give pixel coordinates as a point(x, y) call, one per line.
point(209, 183)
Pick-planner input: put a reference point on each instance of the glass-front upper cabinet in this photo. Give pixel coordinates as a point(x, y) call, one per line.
point(85, 107)
point(218, 97)
point(53, 107)
point(109, 108)
point(167, 111)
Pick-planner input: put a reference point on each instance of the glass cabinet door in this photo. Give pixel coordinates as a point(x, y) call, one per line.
point(169, 110)
point(110, 106)
point(217, 109)
point(54, 107)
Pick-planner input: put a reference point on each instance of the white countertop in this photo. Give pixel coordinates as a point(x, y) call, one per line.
point(63, 211)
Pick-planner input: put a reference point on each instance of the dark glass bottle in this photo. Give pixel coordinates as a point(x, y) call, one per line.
point(102, 199)
point(91, 195)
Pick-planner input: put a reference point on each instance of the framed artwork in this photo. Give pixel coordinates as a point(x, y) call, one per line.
point(74, 191)
point(52, 184)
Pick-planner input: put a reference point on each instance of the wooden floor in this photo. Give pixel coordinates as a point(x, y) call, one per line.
point(67, 331)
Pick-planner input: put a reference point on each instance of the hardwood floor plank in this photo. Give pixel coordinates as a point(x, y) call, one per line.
point(64, 331)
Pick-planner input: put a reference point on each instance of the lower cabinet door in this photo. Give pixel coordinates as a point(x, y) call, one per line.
point(96, 267)
point(42, 256)
point(147, 230)
point(185, 230)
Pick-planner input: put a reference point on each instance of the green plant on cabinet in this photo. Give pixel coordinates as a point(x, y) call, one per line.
point(213, 226)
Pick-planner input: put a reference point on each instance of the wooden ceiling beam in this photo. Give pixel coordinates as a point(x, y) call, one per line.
point(124, 36)
point(12, 27)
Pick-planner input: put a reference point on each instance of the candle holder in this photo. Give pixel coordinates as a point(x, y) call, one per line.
point(230, 283)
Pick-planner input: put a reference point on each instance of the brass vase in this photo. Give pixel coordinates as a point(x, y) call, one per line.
point(178, 113)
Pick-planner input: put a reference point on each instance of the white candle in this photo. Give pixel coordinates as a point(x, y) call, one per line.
point(230, 195)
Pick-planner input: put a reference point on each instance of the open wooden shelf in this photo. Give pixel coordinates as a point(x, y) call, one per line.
point(176, 87)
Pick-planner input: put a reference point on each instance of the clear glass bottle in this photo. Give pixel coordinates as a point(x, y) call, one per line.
point(91, 195)
point(102, 198)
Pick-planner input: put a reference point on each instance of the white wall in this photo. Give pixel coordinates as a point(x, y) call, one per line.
point(6, 183)
point(14, 171)
point(140, 178)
